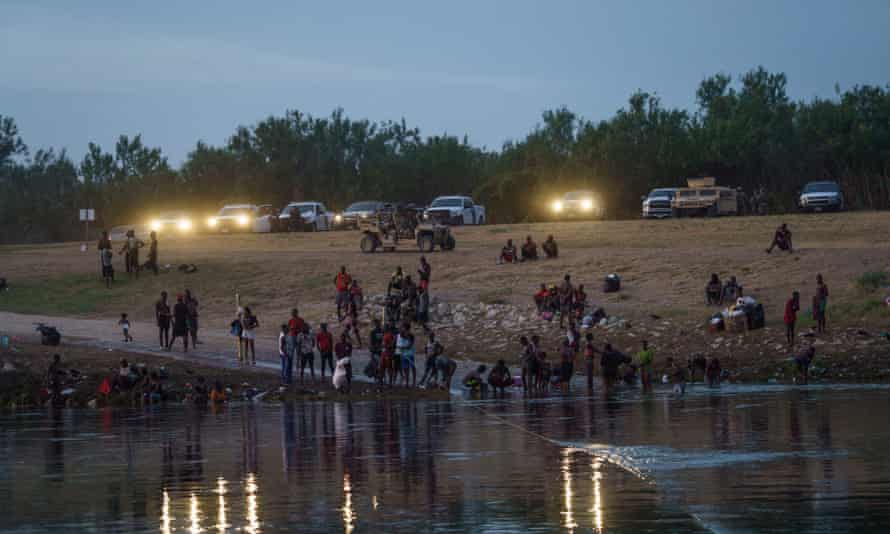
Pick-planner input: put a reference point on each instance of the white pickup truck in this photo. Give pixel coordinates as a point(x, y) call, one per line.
point(455, 210)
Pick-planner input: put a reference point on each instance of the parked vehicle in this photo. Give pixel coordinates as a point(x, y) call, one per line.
point(577, 205)
point(306, 217)
point(380, 235)
point(455, 210)
point(821, 196)
point(704, 198)
point(241, 218)
point(657, 204)
point(357, 212)
point(172, 222)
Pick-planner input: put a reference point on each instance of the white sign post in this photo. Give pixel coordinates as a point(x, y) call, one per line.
point(86, 215)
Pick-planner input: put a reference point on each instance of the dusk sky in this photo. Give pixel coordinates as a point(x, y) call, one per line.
point(177, 72)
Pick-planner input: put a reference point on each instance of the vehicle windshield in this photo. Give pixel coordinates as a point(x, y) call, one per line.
point(821, 187)
point(302, 208)
point(688, 193)
point(577, 195)
point(362, 206)
point(655, 193)
point(230, 212)
point(707, 192)
point(447, 203)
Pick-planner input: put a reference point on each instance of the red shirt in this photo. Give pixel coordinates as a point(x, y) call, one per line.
point(790, 311)
point(389, 340)
point(295, 325)
point(342, 281)
point(324, 340)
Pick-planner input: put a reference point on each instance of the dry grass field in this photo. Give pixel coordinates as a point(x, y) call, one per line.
point(664, 266)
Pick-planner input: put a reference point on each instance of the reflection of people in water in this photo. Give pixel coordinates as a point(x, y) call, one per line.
point(54, 466)
point(250, 457)
point(192, 469)
point(288, 438)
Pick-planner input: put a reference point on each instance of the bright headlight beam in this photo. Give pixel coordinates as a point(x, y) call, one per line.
point(243, 220)
point(155, 226)
point(184, 225)
point(586, 204)
point(557, 205)
point(211, 222)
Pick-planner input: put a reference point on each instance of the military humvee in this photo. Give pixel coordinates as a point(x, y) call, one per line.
point(704, 198)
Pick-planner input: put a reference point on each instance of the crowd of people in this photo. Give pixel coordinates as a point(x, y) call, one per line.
point(130, 251)
point(393, 344)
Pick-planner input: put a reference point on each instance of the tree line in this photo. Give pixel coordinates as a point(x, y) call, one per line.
point(746, 131)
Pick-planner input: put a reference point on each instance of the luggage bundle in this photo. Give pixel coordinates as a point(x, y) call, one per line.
point(612, 284)
point(49, 335)
point(745, 314)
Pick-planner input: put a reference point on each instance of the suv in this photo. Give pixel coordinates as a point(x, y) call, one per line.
point(657, 204)
point(577, 205)
point(357, 212)
point(703, 197)
point(821, 196)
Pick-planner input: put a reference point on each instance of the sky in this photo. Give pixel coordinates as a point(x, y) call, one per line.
point(178, 72)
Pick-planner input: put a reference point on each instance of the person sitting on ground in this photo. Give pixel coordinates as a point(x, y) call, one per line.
point(579, 301)
point(529, 249)
point(499, 378)
point(508, 253)
point(713, 290)
point(731, 291)
point(550, 248)
point(473, 379)
point(218, 393)
point(542, 298)
point(802, 362)
point(712, 373)
point(781, 239)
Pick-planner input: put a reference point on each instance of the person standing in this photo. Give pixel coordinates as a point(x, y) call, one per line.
point(107, 267)
point(405, 352)
point(305, 343)
point(433, 350)
point(422, 315)
point(820, 304)
point(644, 359)
point(236, 328)
point(131, 253)
point(162, 318)
point(104, 244)
point(589, 359)
point(566, 292)
point(375, 344)
point(792, 306)
point(180, 324)
point(294, 326)
point(250, 323)
point(153, 254)
point(192, 304)
point(325, 343)
point(424, 272)
point(287, 360)
point(342, 282)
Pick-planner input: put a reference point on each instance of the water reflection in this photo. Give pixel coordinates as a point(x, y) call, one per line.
point(536, 466)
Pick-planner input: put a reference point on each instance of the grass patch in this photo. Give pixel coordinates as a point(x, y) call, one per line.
point(873, 281)
point(68, 294)
point(868, 308)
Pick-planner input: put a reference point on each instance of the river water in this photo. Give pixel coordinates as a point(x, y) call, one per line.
point(736, 459)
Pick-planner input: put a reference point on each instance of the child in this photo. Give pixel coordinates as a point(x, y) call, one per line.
point(473, 379)
point(218, 393)
point(342, 378)
point(678, 377)
point(125, 325)
point(107, 267)
point(287, 359)
point(792, 306)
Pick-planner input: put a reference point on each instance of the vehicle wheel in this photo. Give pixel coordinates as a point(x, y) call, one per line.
point(449, 243)
point(676, 214)
point(368, 244)
point(474, 219)
point(426, 243)
point(711, 211)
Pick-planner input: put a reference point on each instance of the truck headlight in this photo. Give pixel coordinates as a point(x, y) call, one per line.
point(557, 206)
point(184, 225)
point(155, 226)
point(243, 220)
point(586, 204)
point(211, 222)
point(338, 218)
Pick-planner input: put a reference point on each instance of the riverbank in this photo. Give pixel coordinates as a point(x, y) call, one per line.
point(23, 369)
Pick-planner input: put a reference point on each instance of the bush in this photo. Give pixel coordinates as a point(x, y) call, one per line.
point(872, 281)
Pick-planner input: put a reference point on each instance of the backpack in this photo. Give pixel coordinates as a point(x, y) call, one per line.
point(49, 335)
point(756, 318)
point(612, 284)
point(235, 328)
